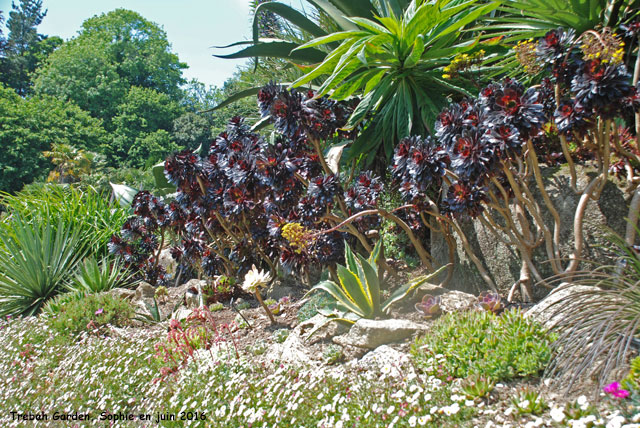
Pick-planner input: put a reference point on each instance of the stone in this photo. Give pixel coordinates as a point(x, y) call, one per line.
point(181, 314)
point(383, 361)
point(325, 330)
point(123, 293)
point(145, 291)
point(370, 334)
point(291, 351)
point(167, 261)
point(546, 312)
point(456, 301)
point(192, 294)
point(277, 291)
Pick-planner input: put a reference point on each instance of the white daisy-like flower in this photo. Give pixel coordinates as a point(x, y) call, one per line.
point(557, 414)
point(422, 420)
point(255, 279)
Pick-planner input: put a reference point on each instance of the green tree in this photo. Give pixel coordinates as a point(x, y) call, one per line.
point(112, 53)
point(24, 49)
point(142, 128)
point(28, 127)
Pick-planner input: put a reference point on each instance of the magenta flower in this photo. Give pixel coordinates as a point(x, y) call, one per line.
point(614, 389)
point(99, 311)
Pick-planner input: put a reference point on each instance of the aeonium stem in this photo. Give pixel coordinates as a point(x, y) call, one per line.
point(265, 307)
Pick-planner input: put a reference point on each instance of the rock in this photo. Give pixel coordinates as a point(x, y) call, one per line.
point(291, 351)
point(167, 262)
point(181, 314)
point(123, 293)
point(192, 295)
point(455, 301)
point(370, 334)
point(145, 291)
point(545, 311)
point(277, 291)
point(383, 360)
point(326, 331)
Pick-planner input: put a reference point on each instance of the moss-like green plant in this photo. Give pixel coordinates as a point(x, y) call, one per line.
point(91, 312)
point(481, 343)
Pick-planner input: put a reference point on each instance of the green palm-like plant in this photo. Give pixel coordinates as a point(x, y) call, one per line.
point(36, 261)
point(524, 19)
point(397, 62)
point(95, 276)
point(358, 293)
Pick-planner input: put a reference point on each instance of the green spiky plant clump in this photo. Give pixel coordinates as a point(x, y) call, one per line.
point(92, 312)
point(98, 276)
point(597, 323)
point(86, 212)
point(37, 259)
point(481, 343)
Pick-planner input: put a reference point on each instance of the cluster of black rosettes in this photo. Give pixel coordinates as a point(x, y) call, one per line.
point(138, 241)
point(295, 113)
point(364, 194)
point(418, 167)
point(230, 204)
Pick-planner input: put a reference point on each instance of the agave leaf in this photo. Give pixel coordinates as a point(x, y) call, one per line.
point(278, 49)
point(403, 291)
point(235, 97)
point(373, 257)
point(373, 283)
point(337, 293)
point(354, 289)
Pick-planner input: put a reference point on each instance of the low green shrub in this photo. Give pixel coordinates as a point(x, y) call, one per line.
point(332, 355)
point(91, 312)
point(481, 343)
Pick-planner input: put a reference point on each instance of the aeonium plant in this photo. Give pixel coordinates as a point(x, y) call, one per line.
point(487, 159)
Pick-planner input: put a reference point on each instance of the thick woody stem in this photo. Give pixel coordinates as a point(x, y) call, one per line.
point(632, 220)
point(265, 307)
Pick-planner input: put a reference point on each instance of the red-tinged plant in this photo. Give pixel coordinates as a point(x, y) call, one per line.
point(199, 330)
point(489, 301)
point(429, 306)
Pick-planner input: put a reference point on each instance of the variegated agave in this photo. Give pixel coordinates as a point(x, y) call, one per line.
point(358, 293)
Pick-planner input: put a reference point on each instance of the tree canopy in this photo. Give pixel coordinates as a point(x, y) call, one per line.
point(28, 127)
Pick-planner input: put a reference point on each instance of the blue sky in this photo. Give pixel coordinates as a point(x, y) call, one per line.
point(192, 27)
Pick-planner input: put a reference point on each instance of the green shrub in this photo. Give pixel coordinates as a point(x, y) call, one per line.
point(37, 260)
point(91, 312)
point(332, 355)
point(481, 343)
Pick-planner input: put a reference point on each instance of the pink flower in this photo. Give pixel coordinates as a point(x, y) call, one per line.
point(614, 389)
point(99, 311)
